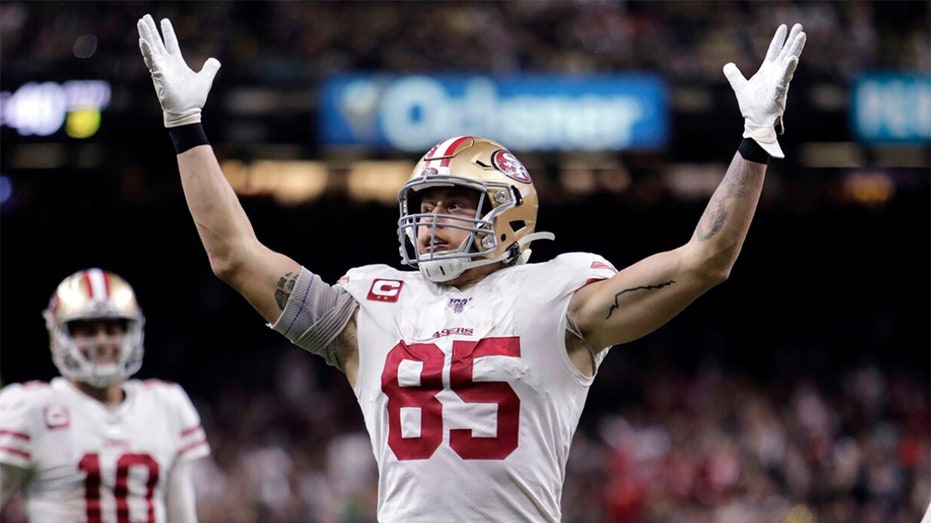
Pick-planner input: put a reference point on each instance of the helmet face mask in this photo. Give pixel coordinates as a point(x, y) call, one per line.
point(100, 299)
point(504, 220)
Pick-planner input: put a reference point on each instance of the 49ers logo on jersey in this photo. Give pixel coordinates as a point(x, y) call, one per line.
point(510, 166)
point(385, 290)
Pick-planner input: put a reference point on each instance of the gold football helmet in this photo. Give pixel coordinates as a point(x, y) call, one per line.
point(94, 294)
point(504, 223)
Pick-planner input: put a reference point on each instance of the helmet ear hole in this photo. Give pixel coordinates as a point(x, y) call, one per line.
point(486, 207)
point(518, 197)
point(517, 225)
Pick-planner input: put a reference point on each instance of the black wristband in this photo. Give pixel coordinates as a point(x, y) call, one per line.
point(752, 152)
point(187, 137)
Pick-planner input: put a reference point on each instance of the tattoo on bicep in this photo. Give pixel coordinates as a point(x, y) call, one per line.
point(285, 286)
point(615, 305)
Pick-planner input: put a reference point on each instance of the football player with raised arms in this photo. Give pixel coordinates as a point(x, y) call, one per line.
point(471, 372)
point(93, 445)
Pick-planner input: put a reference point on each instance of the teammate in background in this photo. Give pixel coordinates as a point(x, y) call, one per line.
point(472, 372)
point(92, 445)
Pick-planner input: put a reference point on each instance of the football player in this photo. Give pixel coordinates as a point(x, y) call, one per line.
point(94, 445)
point(471, 372)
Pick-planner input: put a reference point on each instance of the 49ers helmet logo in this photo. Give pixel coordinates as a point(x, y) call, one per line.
point(510, 166)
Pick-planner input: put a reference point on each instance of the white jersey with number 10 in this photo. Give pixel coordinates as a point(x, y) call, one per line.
point(95, 463)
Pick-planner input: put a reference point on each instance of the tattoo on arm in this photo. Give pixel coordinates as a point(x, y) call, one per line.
point(615, 305)
point(285, 286)
point(712, 219)
point(733, 186)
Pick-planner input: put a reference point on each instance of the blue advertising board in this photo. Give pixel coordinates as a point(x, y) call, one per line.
point(891, 108)
point(526, 112)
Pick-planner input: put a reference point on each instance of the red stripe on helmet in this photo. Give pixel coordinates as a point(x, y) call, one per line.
point(452, 149)
point(88, 283)
point(93, 289)
point(106, 282)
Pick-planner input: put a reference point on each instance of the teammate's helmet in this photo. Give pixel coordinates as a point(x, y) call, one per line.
point(507, 211)
point(94, 294)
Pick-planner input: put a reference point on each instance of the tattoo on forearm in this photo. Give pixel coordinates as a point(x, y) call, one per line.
point(285, 286)
point(712, 220)
point(735, 185)
point(615, 305)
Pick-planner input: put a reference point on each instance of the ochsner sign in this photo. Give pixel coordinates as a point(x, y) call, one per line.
point(537, 112)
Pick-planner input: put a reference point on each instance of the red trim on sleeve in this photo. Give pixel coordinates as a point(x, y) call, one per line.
point(19, 435)
point(599, 265)
point(155, 383)
point(188, 432)
point(192, 446)
point(15, 452)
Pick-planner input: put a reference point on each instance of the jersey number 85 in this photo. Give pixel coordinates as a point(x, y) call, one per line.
point(423, 397)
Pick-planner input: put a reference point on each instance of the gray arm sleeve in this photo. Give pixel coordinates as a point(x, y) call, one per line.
point(315, 315)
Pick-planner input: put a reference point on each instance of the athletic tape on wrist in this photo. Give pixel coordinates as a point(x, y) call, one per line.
point(752, 152)
point(186, 137)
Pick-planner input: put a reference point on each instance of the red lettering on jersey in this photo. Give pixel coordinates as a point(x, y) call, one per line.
point(385, 290)
point(455, 330)
point(56, 417)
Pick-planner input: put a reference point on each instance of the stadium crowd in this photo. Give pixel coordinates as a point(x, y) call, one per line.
point(299, 42)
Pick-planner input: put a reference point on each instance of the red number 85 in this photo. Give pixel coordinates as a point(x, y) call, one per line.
point(461, 382)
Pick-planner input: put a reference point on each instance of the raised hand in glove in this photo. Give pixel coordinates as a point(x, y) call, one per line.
point(762, 98)
point(181, 92)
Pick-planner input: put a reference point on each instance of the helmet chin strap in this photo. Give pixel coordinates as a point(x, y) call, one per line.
point(439, 271)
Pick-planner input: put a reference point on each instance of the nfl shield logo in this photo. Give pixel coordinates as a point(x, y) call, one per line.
point(457, 304)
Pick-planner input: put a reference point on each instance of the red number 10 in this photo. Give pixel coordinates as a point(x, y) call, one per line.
point(90, 463)
point(461, 382)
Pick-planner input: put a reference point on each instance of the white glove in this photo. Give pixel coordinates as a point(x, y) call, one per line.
point(181, 92)
point(762, 98)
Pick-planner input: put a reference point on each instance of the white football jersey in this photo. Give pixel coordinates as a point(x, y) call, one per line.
point(469, 397)
point(94, 463)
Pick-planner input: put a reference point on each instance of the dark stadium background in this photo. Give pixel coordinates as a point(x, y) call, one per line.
point(827, 286)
